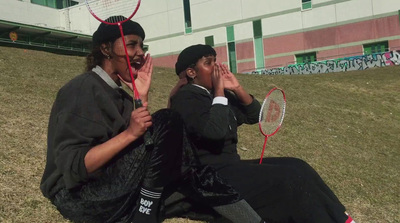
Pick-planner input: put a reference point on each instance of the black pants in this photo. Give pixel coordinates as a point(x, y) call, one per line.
point(111, 193)
point(284, 190)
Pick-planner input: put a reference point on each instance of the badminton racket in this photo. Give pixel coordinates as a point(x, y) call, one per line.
point(271, 114)
point(105, 11)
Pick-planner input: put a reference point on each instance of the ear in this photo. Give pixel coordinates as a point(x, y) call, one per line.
point(191, 73)
point(105, 49)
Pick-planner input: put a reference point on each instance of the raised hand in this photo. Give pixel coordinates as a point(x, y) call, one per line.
point(230, 81)
point(217, 81)
point(143, 79)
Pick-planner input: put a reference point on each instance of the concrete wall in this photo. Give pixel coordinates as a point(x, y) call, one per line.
point(333, 28)
point(332, 42)
point(27, 13)
point(326, 28)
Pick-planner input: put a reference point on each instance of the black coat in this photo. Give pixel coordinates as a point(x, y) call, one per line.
point(281, 189)
point(213, 128)
point(88, 112)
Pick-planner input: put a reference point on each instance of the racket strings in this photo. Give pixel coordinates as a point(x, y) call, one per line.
point(272, 112)
point(119, 9)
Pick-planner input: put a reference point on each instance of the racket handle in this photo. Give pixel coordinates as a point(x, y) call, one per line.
point(148, 140)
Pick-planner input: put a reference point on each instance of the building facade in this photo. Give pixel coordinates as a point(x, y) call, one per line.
point(248, 35)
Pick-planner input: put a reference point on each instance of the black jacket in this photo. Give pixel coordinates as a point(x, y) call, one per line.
point(86, 112)
point(213, 128)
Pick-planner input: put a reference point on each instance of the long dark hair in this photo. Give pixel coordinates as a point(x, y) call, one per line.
point(96, 57)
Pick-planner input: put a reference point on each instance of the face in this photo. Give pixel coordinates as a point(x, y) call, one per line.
point(134, 47)
point(203, 71)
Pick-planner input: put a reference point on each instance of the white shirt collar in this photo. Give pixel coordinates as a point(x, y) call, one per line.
point(217, 100)
point(202, 88)
point(99, 71)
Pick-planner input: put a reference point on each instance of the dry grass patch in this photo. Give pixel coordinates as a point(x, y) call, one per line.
point(346, 125)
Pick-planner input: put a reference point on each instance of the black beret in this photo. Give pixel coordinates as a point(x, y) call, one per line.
point(191, 55)
point(107, 32)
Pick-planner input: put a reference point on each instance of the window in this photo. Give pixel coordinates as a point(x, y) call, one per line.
point(232, 57)
point(258, 44)
point(230, 34)
point(188, 20)
point(209, 40)
point(44, 3)
point(145, 47)
point(257, 30)
point(67, 3)
point(306, 57)
point(306, 4)
point(378, 47)
point(58, 4)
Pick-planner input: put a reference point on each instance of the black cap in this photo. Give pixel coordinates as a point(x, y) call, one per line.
point(106, 32)
point(191, 55)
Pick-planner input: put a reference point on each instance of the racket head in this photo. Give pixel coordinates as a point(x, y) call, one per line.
point(272, 112)
point(120, 10)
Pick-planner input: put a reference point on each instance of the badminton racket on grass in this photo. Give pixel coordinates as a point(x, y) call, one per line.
point(271, 114)
point(116, 12)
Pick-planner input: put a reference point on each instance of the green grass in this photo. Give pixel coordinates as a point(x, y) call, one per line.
point(346, 125)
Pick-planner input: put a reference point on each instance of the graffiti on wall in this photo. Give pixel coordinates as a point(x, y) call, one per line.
point(338, 65)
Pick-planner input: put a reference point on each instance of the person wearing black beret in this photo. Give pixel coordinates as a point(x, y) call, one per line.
point(98, 168)
point(213, 104)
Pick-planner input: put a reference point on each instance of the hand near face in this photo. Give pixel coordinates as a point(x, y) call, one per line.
point(143, 79)
point(217, 81)
point(230, 81)
point(140, 121)
point(181, 82)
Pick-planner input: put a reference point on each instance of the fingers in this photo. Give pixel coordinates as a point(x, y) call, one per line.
point(216, 70)
point(146, 71)
point(224, 69)
point(217, 81)
point(145, 66)
point(141, 112)
point(141, 118)
point(215, 75)
point(148, 64)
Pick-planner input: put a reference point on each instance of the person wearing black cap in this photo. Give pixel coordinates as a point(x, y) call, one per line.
point(212, 105)
point(98, 168)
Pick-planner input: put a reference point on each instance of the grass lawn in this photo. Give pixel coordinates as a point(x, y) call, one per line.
point(345, 125)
